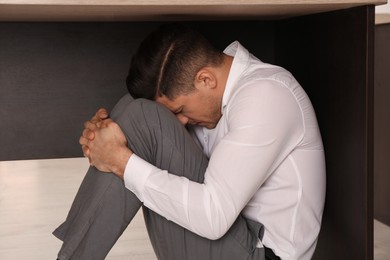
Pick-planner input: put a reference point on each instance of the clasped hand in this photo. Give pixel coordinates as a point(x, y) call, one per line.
point(104, 144)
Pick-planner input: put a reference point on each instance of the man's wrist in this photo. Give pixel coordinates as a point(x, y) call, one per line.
point(122, 158)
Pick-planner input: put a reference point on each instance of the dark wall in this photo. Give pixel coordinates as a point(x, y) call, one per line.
point(382, 124)
point(54, 76)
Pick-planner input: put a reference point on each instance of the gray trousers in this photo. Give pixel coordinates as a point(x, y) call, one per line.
point(103, 207)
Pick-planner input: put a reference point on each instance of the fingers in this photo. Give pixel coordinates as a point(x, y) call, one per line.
point(88, 134)
point(101, 114)
point(86, 151)
point(84, 141)
point(91, 125)
point(106, 123)
point(96, 121)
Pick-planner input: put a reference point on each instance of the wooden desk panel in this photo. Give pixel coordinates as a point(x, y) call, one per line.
point(332, 55)
point(163, 10)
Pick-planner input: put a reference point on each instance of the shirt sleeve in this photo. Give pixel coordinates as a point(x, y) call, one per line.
point(265, 124)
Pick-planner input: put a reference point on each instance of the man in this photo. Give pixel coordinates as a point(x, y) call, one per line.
point(255, 192)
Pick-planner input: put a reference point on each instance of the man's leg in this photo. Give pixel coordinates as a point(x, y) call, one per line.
point(154, 134)
point(99, 214)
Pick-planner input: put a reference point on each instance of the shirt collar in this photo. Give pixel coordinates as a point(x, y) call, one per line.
point(240, 62)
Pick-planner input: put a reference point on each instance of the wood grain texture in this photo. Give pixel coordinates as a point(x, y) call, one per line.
point(133, 10)
point(382, 124)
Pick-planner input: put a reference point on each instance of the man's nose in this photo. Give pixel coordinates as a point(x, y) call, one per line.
point(183, 119)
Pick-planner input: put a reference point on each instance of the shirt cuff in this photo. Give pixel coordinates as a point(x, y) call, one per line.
point(137, 172)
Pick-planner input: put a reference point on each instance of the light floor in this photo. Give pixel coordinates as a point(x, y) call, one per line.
point(35, 196)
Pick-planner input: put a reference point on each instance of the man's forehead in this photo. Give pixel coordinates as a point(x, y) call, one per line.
point(170, 104)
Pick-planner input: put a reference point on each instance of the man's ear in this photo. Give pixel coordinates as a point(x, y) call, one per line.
point(205, 78)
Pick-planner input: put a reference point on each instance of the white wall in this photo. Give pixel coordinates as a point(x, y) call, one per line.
point(383, 8)
point(382, 13)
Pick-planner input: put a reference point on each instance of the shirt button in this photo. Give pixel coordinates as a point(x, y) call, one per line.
point(206, 139)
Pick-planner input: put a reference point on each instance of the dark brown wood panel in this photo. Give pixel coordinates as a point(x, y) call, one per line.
point(382, 124)
point(331, 55)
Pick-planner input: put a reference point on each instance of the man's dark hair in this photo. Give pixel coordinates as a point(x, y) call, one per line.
point(167, 61)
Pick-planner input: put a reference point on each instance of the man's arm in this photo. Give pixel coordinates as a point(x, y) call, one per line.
point(262, 133)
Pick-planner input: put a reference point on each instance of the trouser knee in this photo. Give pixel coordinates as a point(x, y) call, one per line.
point(141, 111)
point(154, 134)
point(145, 124)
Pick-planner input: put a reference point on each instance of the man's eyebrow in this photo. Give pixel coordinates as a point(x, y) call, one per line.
point(178, 110)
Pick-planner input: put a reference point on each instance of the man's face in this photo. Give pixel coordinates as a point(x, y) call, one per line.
point(199, 107)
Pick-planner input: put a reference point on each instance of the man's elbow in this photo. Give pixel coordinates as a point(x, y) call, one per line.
point(217, 232)
point(217, 236)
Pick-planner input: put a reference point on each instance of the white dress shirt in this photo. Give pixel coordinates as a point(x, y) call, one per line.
point(266, 161)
